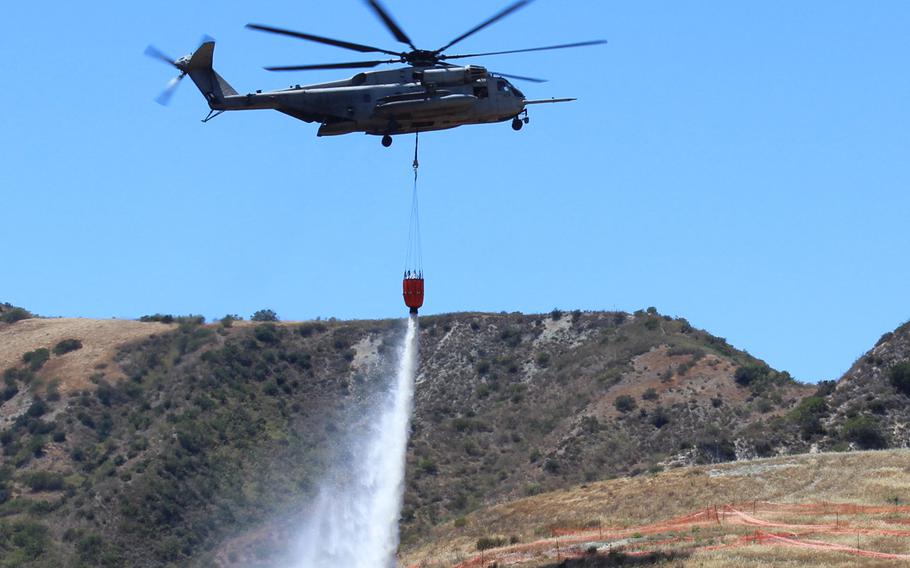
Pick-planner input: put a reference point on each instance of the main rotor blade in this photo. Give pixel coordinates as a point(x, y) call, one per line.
point(390, 23)
point(520, 78)
point(351, 65)
point(156, 53)
point(318, 39)
point(564, 46)
point(516, 6)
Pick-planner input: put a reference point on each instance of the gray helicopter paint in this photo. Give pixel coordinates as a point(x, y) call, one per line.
point(378, 102)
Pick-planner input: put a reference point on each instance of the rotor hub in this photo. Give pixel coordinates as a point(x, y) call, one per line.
point(421, 58)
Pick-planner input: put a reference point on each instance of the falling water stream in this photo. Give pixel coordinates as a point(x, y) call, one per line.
point(354, 522)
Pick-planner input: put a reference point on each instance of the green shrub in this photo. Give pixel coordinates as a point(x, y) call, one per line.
point(8, 393)
point(543, 359)
point(824, 388)
point(90, 548)
point(556, 314)
point(650, 394)
point(66, 346)
point(624, 403)
point(44, 481)
point(900, 377)
point(37, 358)
point(511, 337)
point(488, 542)
point(659, 418)
point(266, 333)
point(264, 316)
point(12, 314)
point(228, 320)
point(22, 542)
point(38, 408)
point(865, 432)
point(159, 318)
point(751, 373)
point(808, 416)
point(428, 466)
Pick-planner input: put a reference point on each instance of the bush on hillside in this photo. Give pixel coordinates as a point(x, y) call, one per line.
point(751, 373)
point(266, 333)
point(22, 542)
point(625, 403)
point(865, 432)
point(264, 316)
point(543, 359)
point(66, 346)
point(44, 481)
point(488, 542)
point(900, 377)
point(157, 318)
point(824, 388)
point(37, 358)
point(660, 418)
point(12, 314)
point(228, 320)
point(808, 416)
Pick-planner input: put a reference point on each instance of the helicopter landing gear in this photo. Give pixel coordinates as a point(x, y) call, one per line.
point(518, 123)
point(386, 140)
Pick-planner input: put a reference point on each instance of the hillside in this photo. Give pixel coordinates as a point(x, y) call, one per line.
point(200, 444)
point(809, 510)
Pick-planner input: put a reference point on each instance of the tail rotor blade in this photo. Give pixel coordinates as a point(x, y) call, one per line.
point(165, 97)
point(156, 53)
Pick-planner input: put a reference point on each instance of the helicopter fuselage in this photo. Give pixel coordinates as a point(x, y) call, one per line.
point(396, 101)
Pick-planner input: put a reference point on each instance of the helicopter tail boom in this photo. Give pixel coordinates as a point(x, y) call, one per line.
point(211, 84)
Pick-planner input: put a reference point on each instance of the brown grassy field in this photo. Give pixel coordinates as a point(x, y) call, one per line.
point(843, 509)
point(101, 339)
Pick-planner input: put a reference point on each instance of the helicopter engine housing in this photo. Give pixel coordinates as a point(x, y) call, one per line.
point(451, 76)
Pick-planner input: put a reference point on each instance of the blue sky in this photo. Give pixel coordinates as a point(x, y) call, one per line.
point(743, 165)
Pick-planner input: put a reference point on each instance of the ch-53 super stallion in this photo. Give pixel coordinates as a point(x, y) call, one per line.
point(428, 94)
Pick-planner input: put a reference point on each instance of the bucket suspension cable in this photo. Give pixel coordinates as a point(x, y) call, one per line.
point(413, 270)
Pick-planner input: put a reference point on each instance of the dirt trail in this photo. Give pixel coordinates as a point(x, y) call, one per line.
point(100, 341)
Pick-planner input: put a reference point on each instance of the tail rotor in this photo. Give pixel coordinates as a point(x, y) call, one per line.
point(179, 64)
point(165, 97)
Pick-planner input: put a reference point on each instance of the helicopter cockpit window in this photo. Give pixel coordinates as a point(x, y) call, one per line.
point(481, 92)
point(517, 93)
point(503, 87)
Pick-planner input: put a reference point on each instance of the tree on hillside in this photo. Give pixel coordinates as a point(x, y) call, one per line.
point(11, 314)
point(264, 315)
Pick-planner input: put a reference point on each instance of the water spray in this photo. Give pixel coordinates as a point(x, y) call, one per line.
point(354, 521)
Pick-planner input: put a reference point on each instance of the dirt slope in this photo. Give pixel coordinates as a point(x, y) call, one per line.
point(101, 339)
point(843, 509)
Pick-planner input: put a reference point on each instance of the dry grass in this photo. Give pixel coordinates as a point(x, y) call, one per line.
point(633, 512)
point(100, 339)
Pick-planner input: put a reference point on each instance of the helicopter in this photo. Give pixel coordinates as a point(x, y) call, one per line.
point(427, 94)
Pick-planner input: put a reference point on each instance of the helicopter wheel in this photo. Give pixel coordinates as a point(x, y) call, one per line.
point(386, 140)
point(517, 124)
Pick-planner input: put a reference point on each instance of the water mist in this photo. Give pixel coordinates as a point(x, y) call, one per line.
point(354, 521)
